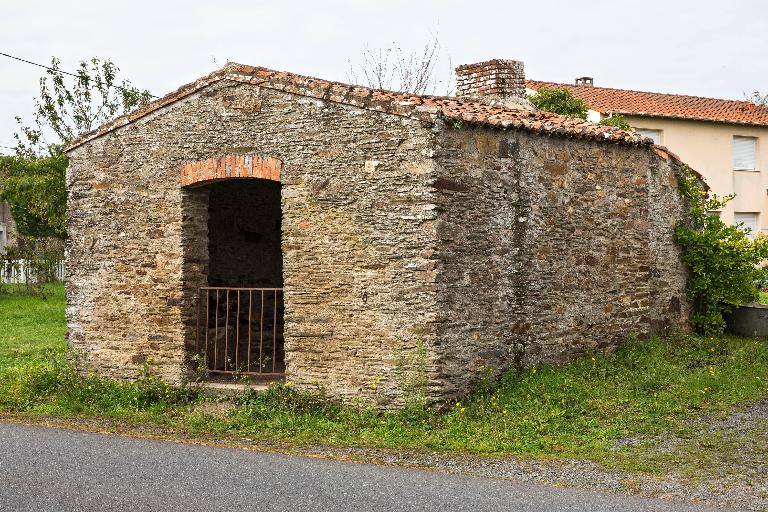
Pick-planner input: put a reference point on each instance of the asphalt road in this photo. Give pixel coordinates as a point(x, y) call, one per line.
point(44, 469)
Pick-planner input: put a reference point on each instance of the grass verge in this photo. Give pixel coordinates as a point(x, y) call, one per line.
point(30, 324)
point(643, 391)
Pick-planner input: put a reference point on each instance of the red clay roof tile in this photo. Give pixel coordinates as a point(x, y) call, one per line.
point(622, 101)
point(422, 107)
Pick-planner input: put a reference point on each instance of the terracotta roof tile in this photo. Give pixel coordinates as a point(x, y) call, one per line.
point(422, 107)
point(623, 101)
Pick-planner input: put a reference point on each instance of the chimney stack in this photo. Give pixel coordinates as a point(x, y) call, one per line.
point(587, 81)
point(497, 79)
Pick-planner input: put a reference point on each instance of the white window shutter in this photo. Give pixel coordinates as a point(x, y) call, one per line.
point(654, 135)
point(749, 221)
point(744, 149)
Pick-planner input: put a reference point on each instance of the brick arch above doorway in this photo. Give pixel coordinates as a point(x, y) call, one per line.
point(230, 166)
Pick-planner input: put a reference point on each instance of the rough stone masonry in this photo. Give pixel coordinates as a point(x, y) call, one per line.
point(417, 239)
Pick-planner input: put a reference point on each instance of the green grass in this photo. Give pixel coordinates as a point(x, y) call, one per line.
point(30, 324)
point(763, 298)
point(645, 389)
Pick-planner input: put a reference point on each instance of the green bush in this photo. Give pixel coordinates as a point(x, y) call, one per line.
point(618, 121)
point(35, 189)
point(723, 262)
point(560, 101)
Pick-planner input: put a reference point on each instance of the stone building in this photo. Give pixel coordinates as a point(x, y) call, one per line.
point(361, 240)
point(7, 227)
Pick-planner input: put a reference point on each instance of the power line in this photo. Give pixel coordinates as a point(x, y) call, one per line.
point(58, 70)
point(36, 64)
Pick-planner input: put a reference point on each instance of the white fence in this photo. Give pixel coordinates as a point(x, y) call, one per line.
point(23, 271)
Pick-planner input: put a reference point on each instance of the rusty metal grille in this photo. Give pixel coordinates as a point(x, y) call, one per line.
point(240, 330)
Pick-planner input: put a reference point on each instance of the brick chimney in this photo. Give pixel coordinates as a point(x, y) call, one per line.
point(586, 81)
point(497, 79)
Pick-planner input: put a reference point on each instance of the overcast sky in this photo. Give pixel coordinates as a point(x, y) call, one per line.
point(715, 49)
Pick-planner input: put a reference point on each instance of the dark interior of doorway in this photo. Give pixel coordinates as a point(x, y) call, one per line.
point(244, 315)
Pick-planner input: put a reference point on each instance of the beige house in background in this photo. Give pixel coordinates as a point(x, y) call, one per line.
point(725, 140)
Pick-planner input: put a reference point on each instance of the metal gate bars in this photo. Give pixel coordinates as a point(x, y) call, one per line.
point(240, 330)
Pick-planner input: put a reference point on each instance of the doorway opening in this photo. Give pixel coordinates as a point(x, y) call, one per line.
point(240, 310)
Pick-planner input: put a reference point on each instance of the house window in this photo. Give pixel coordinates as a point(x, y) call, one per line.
point(744, 150)
point(655, 135)
point(748, 223)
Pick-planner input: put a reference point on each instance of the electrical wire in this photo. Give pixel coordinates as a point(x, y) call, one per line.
point(52, 69)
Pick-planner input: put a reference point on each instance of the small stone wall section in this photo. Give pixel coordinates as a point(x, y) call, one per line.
point(491, 78)
point(550, 248)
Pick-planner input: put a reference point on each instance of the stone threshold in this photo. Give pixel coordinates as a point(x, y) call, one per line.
point(234, 388)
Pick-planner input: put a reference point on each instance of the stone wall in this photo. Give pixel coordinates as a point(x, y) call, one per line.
point(358, 236)
point(550, 247)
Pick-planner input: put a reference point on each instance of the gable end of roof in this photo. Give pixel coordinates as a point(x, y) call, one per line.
point(424, 108)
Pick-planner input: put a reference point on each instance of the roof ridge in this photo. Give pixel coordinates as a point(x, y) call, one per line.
point(236, 67)
point(426, 108)
point(644, 92)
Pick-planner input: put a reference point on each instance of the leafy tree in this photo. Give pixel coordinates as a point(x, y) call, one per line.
point(560, 101)
point(618, 121)
point(35, 190)
point(722, 260)
point(33, 181)
point(93, 96)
